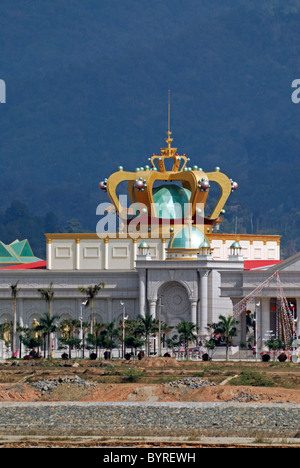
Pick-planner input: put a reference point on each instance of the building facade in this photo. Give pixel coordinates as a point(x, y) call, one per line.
point(168, 258)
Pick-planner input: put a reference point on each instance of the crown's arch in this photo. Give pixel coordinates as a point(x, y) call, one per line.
point(142, 189)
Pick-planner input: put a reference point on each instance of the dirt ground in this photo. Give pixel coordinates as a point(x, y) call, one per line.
point(149, 393)
point(15, 382)
point(159, 393)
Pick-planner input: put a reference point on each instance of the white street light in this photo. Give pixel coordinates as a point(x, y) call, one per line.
point(83, 304)
point(256, 329)
point(123, 334)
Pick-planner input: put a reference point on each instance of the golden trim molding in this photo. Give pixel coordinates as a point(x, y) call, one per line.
point(212, 236)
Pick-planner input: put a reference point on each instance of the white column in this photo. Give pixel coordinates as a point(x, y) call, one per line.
point(49, 254)
point(106, 253)
point(258, 330)
point(163, 249)
point(203, 300)
point(152, 306)
point(193, 303)
point(298, 316)
point(134, 253)
point(77, 255)
point(142, 281)
point(264, 329)
point(251, 250)
point(241, 337)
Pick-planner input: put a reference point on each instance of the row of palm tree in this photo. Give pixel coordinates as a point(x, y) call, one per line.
point(75, 334)
point(48, 295)
point(99, 335)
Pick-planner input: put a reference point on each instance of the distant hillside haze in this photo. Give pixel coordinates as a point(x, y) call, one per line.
point(87, 89)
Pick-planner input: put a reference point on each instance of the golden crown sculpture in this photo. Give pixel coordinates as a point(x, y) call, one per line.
point(142, 192)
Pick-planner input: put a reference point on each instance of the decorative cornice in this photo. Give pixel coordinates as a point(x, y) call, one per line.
point(212, 236)
point(244, 237)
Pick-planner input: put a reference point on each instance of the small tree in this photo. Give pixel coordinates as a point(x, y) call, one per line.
point(187, 333)
point(227, 328)
point(109, 336)
point(173, 343)
point(31, 340)
point(274, 344)
point(22, 333)
point(47, 326)
point(85, 328)
point(91, 292)
point(148, 324)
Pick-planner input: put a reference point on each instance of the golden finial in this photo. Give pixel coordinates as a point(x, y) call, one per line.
point(169, 152)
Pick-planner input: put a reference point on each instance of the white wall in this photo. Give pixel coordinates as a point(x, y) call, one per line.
point(90, 252)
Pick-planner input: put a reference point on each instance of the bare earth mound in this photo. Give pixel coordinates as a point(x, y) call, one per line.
point(151, 393)
point(18, 392)
point(159, 362)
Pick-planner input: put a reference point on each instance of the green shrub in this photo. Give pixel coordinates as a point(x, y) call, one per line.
point(252, 378)
point(132, 375)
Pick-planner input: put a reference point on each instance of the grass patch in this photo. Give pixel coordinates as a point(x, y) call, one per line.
point(251, 378)
point(132, 375)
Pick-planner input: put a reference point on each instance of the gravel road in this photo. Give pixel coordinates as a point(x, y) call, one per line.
point(83, 418)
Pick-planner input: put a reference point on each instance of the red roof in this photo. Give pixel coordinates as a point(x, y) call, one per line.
point(260, 264)
point(42, 265)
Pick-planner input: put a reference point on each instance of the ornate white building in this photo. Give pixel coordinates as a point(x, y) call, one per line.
point(186, 265)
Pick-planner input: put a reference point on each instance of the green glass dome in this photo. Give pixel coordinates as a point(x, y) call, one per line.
point(170, 200)
point(236, 245)
point(189, 237)
point(143, 245)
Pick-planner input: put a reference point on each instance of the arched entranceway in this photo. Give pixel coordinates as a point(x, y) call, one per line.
point(175, 303)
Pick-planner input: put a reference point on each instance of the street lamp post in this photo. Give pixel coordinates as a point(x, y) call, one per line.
point(123, 333)
point(159, 326)
point(83, 304)
point(256, 329)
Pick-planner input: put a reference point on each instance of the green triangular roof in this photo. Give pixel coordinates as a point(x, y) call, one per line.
point(4, 252)
point(7, 255)
point(22, 248)
point(17, 252)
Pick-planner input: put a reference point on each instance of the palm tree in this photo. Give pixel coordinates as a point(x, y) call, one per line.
point(110, 334)
point(22, 333)
point(85, 327)
point(188, 333)
point(31, 339)
point(47, 326)
point(48, 295)
point(97, 329)
point(148, 324)
point(227, 328)
point(165, 330)
point(133, 336)
point(91, 292)
point(14, 293)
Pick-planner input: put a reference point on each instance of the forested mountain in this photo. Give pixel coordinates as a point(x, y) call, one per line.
point(87, 86)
